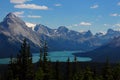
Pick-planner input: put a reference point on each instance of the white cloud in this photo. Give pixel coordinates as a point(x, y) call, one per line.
point(118, 25)
point(107, 25)
point(31, 25)
point(57, 5)
point(76, 25)
point(33, 16)
point(115, 14)
point(81, 24)
point(94, 6)
point(118, 4)
point(18, 1)
point(31, 6)
point(19, 14)
point(85, 24)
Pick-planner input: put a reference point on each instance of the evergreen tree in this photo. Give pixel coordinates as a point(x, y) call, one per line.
point(88, 74)
point(45, 48)
point(47, 66)
point(116, 72)
point(75, 68)
point(41, 58)
point(50, 70)
point(10, 75)
point(78, 76)
point(75, 59)
point(69, 70)
point(107, 71)
point(45, 62)
point(25, 62)
point(39, 74)
point(77, 71)
point(57, 71)
point(45, 69)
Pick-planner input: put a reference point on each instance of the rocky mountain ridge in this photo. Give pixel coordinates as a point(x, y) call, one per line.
point(13, 30)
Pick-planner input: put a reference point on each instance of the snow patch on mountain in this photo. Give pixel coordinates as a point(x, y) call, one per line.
point(30, 25)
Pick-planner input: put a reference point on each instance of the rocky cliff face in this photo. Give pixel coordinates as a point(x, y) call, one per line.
point(12, 31)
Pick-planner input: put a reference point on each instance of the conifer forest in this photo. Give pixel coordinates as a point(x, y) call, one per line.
point(22, 68)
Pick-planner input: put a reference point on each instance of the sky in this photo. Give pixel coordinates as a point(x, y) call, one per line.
point(79, 15)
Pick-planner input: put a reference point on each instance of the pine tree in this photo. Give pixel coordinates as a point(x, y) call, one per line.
point(57, 71)
point(77, 73)
point(10, 75)
point(78, 76)
point(39, 74)
point(45, 71)
point(69, 70)
point(88, 74)
point(25, 62)
point(47, 66)
point(116, 72)
point(107, 71)
point(75, 68)
point(41, 58)
point(50, 70)
point(75, 59)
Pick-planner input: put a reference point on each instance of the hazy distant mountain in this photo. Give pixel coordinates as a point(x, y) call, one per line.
point(109, 51)
point(81, 41)
point(65, 39)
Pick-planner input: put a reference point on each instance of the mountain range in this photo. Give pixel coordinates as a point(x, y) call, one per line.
point(13, 30)
point(109, 51)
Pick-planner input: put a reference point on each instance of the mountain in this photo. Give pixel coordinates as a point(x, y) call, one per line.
point(112, 33)
point(65, 39)
point(12, 31)
point(109, 51)
point(41, 29)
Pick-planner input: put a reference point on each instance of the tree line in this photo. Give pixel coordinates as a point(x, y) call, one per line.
point(22, 68)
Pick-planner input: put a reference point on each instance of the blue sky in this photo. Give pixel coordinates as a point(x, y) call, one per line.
point(80, 15)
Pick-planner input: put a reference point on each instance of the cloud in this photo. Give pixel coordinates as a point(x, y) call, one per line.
point(76, 25)
point(31, 25)
point(19, 14)
point(108, 25)
point(94, 6)
point(118, 25)
point(105, 24)
point(31, 6)
point(18, 1)
point(118, 4)
point(81, 24)
point(57, 5)
point(85, 24)
point(33, 16)
point(115, 14)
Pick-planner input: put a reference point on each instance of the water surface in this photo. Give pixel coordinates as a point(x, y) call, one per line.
point(60, 56)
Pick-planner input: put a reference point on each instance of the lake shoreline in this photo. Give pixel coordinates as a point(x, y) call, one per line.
point(61, 56)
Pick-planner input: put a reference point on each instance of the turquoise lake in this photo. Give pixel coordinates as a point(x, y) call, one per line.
point(60, 56)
